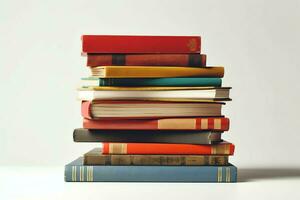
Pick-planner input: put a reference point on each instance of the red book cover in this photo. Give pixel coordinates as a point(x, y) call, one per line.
point(208, 123)
point(86, 109)
point(223, 148)
point(192, 60)
point(140, 44)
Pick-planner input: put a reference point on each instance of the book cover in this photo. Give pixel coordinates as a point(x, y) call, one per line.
point(192, 60)
point(140, 44)
point(95, 157)
point(106, 109)
point(155, 71)
point(151, 82)
point(196, 123)
point(223, 148)
point(146, 136)
point(77, 172)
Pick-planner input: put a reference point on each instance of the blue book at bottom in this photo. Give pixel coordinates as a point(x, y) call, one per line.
point(77, 172)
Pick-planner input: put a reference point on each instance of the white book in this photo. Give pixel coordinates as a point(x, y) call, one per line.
point(153, 93)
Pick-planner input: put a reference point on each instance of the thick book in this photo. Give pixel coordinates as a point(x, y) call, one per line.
point(154, 93)
point(155, 71)
point(140, 44)
point(95, 157)
point(223, 148)
point(148, 109)
point(142, 82)
point(189, 123)
point(192, 60)
point(77, 172)
point(146, 136)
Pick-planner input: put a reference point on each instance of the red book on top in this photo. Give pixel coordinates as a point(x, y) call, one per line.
point(140, 44)
point(191, 123)
point(223, 148)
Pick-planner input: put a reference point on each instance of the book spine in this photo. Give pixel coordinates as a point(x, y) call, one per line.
point(86, 109)
point(192, 60)
point(156, 72)
point(183, 137)
point(80, 173)
point(140, 44)
point(154, 160)
point(218, 124)
point(174, 82)
point(156, 148)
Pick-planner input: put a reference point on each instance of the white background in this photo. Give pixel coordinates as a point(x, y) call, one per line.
point(40, 66)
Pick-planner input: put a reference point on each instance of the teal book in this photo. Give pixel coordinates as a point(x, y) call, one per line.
point(142, 82)
point(77, 172)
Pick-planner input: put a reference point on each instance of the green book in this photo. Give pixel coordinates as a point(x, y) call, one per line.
point(136, 82)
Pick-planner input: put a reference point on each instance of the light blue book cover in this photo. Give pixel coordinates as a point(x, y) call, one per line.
point(77, 172)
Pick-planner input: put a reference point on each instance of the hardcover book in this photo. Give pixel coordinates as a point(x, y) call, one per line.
point(192, 60)
point(194, 123)
point(140, 44)
point(148, 109)
point(142, 82)
point(77, 172)
point(154, 93)
point(95, 157)
point(155, 71)
point(183, 137)
point(223, 148)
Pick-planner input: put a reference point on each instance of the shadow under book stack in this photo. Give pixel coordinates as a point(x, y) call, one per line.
point(156, 108)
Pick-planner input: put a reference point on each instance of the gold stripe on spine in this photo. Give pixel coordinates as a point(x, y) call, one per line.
point(75, 173)
point(80, 173)
point(227, 174)
point(117, 148)
point(83, 173)
point(87, 173)
point(213, 149)
point(220, 149)
point(92, 173)
point(110, 148)
point(72, 173)
point(226, 149)
point(217, 123)
point(220, 174)
point(173, 124)
point(204, 124)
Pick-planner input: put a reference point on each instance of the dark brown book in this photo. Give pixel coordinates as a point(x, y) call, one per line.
point(95, 157)
point(147, 136)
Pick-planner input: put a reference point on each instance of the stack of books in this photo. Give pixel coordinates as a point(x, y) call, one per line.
point(156, 108)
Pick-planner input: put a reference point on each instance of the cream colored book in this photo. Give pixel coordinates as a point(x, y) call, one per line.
point(148, 109)
point(154, 93)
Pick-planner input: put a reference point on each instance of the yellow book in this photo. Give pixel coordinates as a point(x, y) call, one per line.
point(155, 71)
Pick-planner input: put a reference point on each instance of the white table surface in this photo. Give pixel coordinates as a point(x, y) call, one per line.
point(48, 183)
